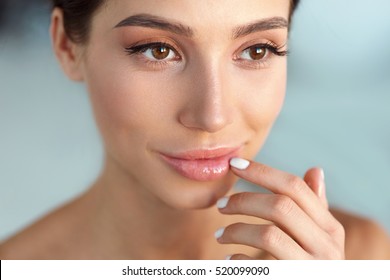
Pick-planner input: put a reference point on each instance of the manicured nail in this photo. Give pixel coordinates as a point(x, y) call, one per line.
point(228, 257)
point(322, 175)
point(239, 163)
point(222, 202)
point(219, 233)
point(321, 189)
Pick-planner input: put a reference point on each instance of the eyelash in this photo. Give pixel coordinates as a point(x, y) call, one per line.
point(141, 49)
point(144, 47)
point(269, 46)
point(273, 48)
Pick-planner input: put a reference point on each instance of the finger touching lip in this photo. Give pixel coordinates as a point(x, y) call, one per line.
point(276, 181)
point(239, 163)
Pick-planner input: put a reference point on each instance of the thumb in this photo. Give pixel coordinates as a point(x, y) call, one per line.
point(314, 178)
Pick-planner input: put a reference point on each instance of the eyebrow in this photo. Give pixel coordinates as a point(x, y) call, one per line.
point(151, 21)
point(261, 25)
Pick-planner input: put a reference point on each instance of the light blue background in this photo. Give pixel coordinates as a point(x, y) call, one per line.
point(336, 114)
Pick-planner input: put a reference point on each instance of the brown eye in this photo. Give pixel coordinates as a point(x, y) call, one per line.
point(256, 52)
point(160, 52)
point(155, 52)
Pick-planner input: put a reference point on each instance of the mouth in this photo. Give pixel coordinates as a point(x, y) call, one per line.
point(203, 164)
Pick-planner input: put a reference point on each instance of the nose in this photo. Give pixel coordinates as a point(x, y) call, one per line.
point(209, 104)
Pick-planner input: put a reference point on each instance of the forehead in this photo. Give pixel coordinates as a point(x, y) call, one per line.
point(200, 15)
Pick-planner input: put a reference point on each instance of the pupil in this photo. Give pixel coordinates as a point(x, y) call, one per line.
point(160, 52)
point(257, 53)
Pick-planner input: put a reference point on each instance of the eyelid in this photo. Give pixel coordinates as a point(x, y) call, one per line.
point(276, 50)
point(139, 48)
point(273, 49)
point(142, 46)
point(268, 44)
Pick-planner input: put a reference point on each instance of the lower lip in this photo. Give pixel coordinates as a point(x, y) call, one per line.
point(201, 169)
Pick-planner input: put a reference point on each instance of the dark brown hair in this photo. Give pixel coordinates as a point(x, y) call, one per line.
point(78, 15)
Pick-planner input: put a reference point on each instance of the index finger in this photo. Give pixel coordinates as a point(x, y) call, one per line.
point(280, 182)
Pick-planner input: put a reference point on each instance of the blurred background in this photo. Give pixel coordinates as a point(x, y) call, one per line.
point(336, 113)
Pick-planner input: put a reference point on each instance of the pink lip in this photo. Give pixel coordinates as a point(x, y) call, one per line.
point(202, 165)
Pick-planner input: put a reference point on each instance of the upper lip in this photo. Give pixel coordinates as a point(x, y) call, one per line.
point(200, 154)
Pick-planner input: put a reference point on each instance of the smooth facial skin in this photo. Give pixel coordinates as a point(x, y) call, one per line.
point(184, 94)
point(207, 94)
point(179, 88)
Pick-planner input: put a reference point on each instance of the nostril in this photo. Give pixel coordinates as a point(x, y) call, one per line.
point(209, 104)
point(210, 119)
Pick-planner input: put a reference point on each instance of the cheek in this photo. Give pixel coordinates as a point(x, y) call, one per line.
point(264, 99)
point(126, 104)
point(260, 104)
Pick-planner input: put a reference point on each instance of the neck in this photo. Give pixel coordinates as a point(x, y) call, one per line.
point(132, 222)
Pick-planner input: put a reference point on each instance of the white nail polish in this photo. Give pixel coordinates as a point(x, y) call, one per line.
point(322, 174)
point(219, 233)
point(322, 183)
point(239, 163)
point(222, 202)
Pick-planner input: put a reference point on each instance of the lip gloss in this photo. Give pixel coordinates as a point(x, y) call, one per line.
point(202, 165)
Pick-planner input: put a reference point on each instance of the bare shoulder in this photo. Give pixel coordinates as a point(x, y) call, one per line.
point(24, 244)
point(51, 237)
point(41, 240)
point(364, 238)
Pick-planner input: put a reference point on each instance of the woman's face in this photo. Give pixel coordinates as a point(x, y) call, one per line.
point(179, 87)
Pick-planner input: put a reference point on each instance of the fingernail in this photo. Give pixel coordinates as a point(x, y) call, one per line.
point(321, 189)
point(228, 257)
point(239, 163)
point(222, 202)
point(219, 233)
point(322, 175)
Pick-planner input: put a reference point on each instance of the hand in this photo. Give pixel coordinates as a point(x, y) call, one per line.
point(302, 226)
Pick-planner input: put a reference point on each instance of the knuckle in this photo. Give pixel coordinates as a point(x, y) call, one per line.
point(336, 229)
point(232, 232)
point(244, 202)
point(239, 201)
point(340, 231)
point(295, 184)
point(282, 206)
point(261, 169)
point(271, 236)
point(334, 246)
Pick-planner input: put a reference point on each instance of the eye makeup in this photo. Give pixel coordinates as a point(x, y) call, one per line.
point(257, 55)
point(154, 54)
point(161, 46)
point(159, 53)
